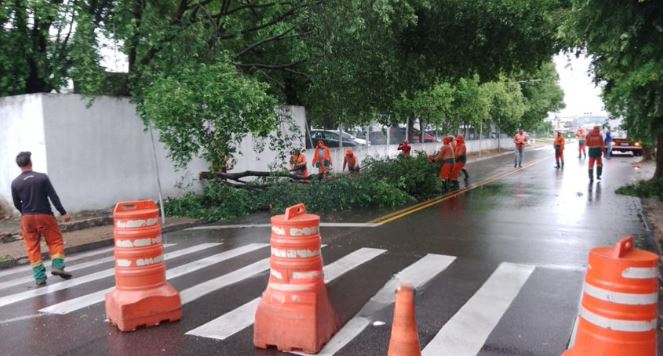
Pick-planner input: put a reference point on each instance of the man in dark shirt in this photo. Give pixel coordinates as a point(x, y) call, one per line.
point(31, 192)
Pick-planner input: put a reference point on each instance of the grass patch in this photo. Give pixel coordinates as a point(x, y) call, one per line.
point(643, 189)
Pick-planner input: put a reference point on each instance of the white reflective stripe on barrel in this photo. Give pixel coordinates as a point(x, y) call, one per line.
point(278, 231)
point(306, 275)
point(618, 324)
point(640, 272)
point(276, 274)
point(305, 231)
point(290, 287)
point(138, 243)
point(620, 298)
point(281, 252)
point(137, 223)
point(123, 263)
point(149, 261)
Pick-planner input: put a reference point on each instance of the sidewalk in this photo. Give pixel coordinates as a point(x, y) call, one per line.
point(86, 231)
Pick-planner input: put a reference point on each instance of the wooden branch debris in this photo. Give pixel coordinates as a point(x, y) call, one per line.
point(237, 177)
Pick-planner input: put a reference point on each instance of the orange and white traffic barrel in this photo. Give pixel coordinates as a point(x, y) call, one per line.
point(142, 297)
point(295, 312)
point(618, 312)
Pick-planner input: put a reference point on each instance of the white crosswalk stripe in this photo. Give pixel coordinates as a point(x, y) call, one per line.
point(416, 275)
point(466, 332)
point(53, 287)
point(70, 268)
point(97, 297)
point(243, 317)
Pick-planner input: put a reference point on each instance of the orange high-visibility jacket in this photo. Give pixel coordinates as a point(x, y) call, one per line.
point(321, 160)
point(299, 160)
point(520, 140)
point(446, 153)
point(580, 134)
point(349, 161)
point(595, 139)
point(560, 141)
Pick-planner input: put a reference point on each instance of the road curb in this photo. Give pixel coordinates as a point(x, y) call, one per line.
point(14, 262)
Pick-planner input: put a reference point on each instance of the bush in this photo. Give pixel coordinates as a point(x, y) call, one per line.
point(643, 188)
point(415, 175)
point(384, 184)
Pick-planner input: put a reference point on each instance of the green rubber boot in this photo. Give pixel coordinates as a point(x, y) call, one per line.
point(39, 273)
point(599, 171)
point(57, 268)
point(591, 175)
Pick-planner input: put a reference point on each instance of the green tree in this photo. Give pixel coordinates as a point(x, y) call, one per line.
point(506, 103)
point(542, 94)
point(45, 43)
point(625, 40)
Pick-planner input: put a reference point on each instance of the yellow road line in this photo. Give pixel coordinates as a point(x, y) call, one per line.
point(423, 205)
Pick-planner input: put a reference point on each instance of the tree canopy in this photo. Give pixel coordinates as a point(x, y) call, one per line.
point(625, 40)
point(345, 60)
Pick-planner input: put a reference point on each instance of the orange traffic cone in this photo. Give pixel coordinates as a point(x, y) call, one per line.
point(404, 336)
point(618, 313)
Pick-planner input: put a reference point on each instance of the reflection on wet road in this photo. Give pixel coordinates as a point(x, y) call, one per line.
point(498, 269)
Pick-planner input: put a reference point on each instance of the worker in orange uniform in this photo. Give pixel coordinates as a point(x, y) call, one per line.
point(581, 136)
point(559, 149)
point(298, 163)
point(460, 154)
point(596, 146)
point(322, 158)
point(31, 192)
point(447, 157)
point(350, 161)
point(405, 148)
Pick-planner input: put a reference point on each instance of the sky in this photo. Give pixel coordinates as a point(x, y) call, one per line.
point(580, 94)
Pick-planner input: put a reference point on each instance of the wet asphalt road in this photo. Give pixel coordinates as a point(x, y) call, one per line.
point(542, 219)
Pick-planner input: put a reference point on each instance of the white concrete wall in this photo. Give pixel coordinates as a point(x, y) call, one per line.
point(100, 155)
point(21, 129)
point(247, 159)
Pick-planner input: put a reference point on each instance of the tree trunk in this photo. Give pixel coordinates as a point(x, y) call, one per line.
point(410, 129)
point(658, 174)
point(422, 133)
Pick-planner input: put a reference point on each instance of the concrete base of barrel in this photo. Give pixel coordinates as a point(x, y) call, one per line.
point(129, 310)
point(301, 322)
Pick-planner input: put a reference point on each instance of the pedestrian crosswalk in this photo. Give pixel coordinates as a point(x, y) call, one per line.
point(465, 333)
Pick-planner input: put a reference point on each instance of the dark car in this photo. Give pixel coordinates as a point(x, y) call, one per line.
point(331, 138)
point(623, 145)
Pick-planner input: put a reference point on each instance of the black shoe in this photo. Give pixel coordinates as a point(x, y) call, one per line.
point(598, 178)
point(515, 165)
point(60, 273)
point(40, 283)
point(520, 166)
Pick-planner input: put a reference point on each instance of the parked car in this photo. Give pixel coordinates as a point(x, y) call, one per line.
point(415, 136)
point(625, 145)
point(331, 138)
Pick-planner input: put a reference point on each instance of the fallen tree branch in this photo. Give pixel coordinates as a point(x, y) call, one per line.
point(237, 176)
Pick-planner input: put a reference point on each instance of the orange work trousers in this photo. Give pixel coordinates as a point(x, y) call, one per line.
point(595, 160)
point(32, 228)
point(445, 171)
point(458, 167)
